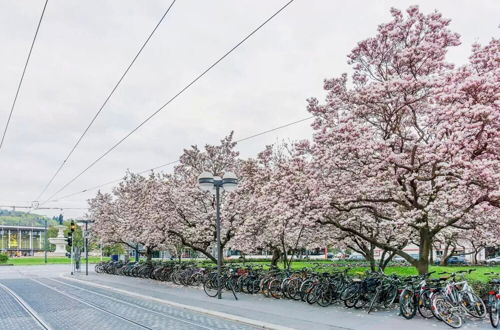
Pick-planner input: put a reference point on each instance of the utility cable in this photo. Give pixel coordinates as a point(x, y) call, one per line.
point(168, 102)
point(22, 75)
point(104, 103)
point(176, 161)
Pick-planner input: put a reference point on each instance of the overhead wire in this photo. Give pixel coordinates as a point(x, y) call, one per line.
point(43, 208)
point(198, 77)
point(104, 103)
point(4, 134)
point(176, 161)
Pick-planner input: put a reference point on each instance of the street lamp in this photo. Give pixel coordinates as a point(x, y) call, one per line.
point(229, 183)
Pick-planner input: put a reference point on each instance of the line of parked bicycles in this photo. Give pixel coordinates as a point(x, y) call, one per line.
point(448, 298)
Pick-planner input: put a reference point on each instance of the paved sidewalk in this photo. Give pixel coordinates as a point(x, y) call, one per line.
point(292, 314)
point(38, 297)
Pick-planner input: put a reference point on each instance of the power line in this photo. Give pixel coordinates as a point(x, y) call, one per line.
point(43, 208)
point(273, 129)
point(176, 161)
point(104, 103)
point(169, 101)
point(22, 75)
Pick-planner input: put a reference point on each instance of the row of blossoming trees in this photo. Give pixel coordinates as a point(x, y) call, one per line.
point(405, 152)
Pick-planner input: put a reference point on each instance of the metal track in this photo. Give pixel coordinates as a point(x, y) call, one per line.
point(132, 304)
point(92, 305)
point(27, 308)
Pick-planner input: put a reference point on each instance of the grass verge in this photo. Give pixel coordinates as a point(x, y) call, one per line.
point(26, 261)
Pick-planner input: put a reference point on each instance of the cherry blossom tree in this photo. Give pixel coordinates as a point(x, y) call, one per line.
point(189, 212)
point(277, 214)
point(375, 230)
point(413, 144)
point(129, 215)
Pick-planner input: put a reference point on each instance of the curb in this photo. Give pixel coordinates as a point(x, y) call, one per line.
point(240, 319)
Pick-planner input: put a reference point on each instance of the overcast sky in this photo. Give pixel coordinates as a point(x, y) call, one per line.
point(83, 48)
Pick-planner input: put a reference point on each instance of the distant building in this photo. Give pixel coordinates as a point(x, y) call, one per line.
point(21, 240)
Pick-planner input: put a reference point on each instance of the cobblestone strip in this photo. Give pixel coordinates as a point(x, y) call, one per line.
point(239, 321)
point(152, 310)
point(134, 312)
point(13, 315)
point(63, 313)
point(94, 305)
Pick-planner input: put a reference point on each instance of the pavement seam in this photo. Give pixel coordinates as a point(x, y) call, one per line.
point(223, 315)
point(27, 307)
point(131, 304)
point(90, 305)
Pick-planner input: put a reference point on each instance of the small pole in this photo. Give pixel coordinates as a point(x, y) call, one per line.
point(137, 252)
point(86, 249)
point(219, 252)
point(71, 256)
point(46, 245)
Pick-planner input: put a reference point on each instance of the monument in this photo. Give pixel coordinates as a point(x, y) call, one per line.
point(60, 241)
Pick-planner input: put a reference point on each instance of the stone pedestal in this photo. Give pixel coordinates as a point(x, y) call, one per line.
point(60, 242)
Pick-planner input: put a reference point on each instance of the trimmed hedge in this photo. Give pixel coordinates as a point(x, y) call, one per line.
point(3, 258)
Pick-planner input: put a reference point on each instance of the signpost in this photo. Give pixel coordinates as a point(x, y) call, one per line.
point(86, 236)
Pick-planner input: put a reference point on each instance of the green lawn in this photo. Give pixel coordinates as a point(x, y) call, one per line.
point(478, 274)
point(51, 260)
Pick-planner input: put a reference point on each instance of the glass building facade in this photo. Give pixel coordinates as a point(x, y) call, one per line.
point(21, 240)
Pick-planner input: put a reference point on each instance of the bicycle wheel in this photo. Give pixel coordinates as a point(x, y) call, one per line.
point(433, 297)
point(424, 305)
point(284, 288)
point(305, 287)
point(474, 305)
point(253, 286)
point(350, 295)
point(363, 300)
point(293, 288)
point(210, 286)
point(389, 297)
point(446, 312)
point(312, 295)
point(494, 311)
point(325, 295)
point(375, 300)
point(275, 289)
point(407, 304)
point(176, 278)
point(240, 286)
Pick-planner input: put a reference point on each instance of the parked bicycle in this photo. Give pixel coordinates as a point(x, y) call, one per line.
point(494, 299)
point(455, 300)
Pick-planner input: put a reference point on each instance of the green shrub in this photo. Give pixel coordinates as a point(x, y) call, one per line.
point(3, 258)
point(480, 288)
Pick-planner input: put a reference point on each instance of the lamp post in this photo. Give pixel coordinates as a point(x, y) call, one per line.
point(208, 182)
point(46, 245)
point(86, 239)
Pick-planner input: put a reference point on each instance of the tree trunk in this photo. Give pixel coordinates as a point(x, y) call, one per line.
point(276, 257)
point(422, 264)
point(284, 258)
point(371, 259)
point(149, 255)
point(446, 257)
point(370, 256)
point(195, 248)
point(383, 262)
point(474, 256)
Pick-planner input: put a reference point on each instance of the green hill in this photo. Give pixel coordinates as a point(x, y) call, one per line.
point(19, 218)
